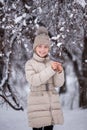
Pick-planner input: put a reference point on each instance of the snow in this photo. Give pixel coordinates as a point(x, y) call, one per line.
point(17, 120)
point(1, 1)
point(70, 99)
point(75, 119)
point(1, 54)
point(71, 15)
point(40, 10)
point(26, 46)
point(86, 61)
point(13, 5)
point(59, 44)
point(55, 37)
point(81, 2)
point(18, 19)
point(35, 21)
point(28, 7)
point(62, 29)
point(24, 23)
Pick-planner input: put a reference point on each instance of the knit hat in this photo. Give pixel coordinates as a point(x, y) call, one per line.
point(42, 37)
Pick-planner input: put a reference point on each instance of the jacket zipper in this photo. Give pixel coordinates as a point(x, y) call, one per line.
point(50, 109)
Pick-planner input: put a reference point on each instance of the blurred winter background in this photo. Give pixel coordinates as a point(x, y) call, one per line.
point(66, 21)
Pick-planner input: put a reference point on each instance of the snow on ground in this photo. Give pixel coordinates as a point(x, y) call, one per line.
point(17, 120)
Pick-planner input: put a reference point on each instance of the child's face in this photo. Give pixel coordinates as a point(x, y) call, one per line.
point(42, 50)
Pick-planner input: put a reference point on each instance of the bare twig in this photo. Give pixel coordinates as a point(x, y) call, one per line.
point(10, 104)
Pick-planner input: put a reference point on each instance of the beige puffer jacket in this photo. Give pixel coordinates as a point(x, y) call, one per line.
point(44, 107)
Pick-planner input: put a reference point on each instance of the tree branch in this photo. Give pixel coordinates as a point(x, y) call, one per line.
point(10, 104)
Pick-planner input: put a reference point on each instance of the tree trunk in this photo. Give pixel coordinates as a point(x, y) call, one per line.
point(83, 88)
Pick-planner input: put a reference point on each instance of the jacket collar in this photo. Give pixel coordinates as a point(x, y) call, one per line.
point(40, 59)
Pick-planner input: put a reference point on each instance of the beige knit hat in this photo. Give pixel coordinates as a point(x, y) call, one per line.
point(42, 37)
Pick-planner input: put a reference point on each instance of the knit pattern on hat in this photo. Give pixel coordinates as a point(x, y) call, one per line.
point(42, 37)
point(42, 30)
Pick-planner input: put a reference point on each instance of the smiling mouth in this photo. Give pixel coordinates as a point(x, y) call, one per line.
point(42, 53)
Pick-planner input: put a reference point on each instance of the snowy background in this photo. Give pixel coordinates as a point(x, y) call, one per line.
point(66, 21)
point(17, 120)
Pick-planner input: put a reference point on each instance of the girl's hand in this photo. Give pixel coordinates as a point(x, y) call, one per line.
point(56, 66)
point(59, 67)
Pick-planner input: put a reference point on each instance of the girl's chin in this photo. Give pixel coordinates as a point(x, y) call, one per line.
point(42, 55)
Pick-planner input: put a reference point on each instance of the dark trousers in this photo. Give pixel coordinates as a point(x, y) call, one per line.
point(44, 128)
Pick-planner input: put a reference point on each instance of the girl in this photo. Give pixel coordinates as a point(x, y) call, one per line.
point(43, 75)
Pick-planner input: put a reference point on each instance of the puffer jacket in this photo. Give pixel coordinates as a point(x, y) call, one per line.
point(44, 106)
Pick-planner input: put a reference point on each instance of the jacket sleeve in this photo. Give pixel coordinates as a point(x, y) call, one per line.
point(36, 79)
point(58, 79)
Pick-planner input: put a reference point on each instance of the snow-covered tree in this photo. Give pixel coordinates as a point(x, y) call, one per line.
point(66, 23)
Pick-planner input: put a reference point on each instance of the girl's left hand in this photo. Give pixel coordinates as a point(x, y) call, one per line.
point(59, 67)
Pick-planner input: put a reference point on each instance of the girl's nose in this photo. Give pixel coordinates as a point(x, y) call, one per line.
point(42, 48)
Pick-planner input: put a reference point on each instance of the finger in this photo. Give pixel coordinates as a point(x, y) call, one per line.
point(59, 63)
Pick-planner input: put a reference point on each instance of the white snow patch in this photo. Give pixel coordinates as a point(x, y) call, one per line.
point(71, 15)
point(35, 21)
point(86, 61)
point(26, 6)
point(81, 2)
point(18, 19)
point(40, 10)
point(13, 31)
point(2, 1)
point(24, 23)
point(70, 99)
point(62, 29)
point(3, 19)
point(67, 30)
point(13, 5)
point(17, 120)
point(63, 36)
point(59, 44)
point(25, 45)
point(81, 45)
point(55, 37)
point(24, 15)
point(8, 27)
point(1, 54)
